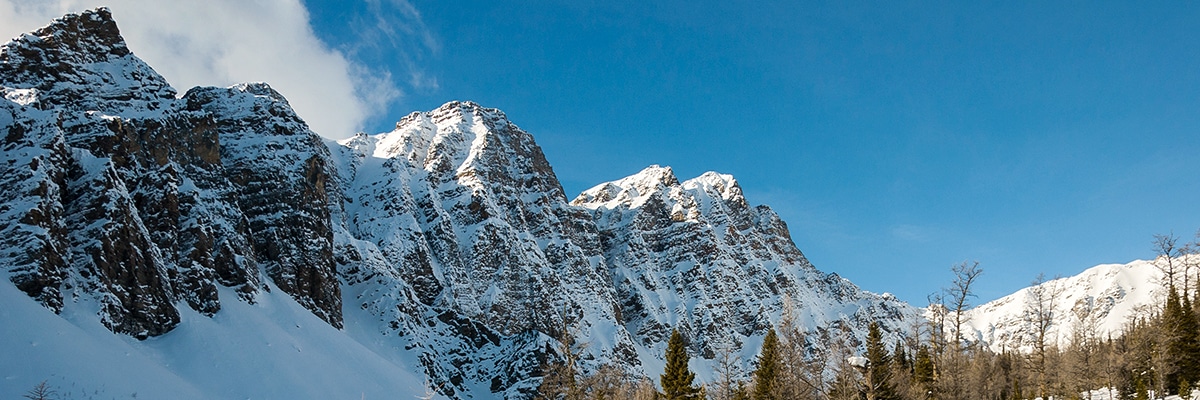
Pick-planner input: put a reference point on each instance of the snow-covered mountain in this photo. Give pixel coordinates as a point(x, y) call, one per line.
point(1098, 301)
point(696, 256)
point(200, 225)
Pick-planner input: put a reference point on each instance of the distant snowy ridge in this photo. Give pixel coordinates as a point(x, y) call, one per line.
point(1102, 298)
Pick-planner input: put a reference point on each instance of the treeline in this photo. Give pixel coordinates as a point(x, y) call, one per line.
point(1157, 354)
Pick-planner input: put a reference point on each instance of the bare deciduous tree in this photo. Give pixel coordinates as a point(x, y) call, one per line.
point(41, 391)
point(724, 387)
point(1040, 301)
point(1166, 249)
point(1190, 258)
point(1083, 363)
point(937, 332)
point(430, 391)
point(803, 368)
point(560, 380)
point(952, 367)
point(960, 293)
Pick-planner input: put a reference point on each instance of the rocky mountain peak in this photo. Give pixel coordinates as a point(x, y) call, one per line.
point(722, 186)
point(454, 133)
point(658, 188)
point(81, 62)
point(469, 113)
point(149, 201)
point(261, 89)
point(630, 191)
point(86, 34)
point(1100, 300)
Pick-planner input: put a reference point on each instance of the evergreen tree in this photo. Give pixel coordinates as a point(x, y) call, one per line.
point(1140, 388)
point(677, 378)
point(901, 358)
point(1189, 343)
point(766, 375)
point(1181, 328)
point(923, 370)
point(878, 375)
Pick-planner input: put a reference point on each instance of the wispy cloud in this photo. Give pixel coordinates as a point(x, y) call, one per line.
point(223, 42)
point(394, 30)
point(911, 233)
point(375, 87)
point(400, 21)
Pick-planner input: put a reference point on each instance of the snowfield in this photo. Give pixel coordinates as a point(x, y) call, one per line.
point(274, 349)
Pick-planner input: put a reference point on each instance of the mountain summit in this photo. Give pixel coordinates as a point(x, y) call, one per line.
point(80, 62)
point(445, 247)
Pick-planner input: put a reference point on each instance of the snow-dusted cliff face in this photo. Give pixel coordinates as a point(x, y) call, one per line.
point(445, 247)
point(1098, 301)
point(114, 189)
point(696, 256)
point(458, 239)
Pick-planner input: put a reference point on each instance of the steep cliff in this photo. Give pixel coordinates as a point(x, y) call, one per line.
point(139, 199)
point(456, 217)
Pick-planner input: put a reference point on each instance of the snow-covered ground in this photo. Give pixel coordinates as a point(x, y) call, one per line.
point(1113, 394)
point(274, 349)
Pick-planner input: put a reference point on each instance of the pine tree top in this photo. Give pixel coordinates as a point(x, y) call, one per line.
point(677, 379)
point(766, 375)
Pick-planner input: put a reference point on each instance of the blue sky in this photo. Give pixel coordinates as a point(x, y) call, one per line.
point(895, 140)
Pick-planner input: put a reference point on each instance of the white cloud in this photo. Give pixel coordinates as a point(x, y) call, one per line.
point(223, 42)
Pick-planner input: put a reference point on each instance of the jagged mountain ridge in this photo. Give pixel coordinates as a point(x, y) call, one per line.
point(698, 249)
point(449, 237)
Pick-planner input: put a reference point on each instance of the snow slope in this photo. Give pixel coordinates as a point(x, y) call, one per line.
point(274, 349)
point(1102, 299)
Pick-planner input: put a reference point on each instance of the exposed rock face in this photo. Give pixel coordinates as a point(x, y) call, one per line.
point(449, 236)
point(125, 195)
point(280, 170)
point(456, 216)
point(695, 256)
point(33, 174)
point(459, 206)
point(80, 62)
